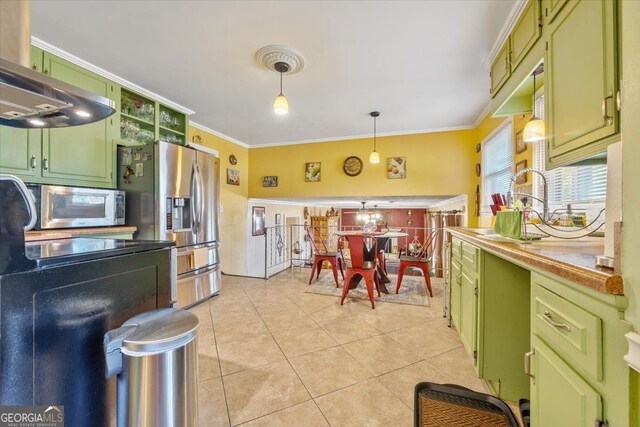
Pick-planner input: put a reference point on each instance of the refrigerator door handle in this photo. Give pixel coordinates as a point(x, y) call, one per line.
point(200, 200)
point(192, 207)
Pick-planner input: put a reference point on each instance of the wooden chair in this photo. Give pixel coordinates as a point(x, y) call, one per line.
point(421, 261)
point(449, 405)
point(322, 254)
point(359, 267)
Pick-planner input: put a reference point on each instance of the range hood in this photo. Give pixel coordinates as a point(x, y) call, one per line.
point(29, 99)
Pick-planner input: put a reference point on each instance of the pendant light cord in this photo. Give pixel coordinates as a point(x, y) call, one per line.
point(281, 82)
point(374, 133)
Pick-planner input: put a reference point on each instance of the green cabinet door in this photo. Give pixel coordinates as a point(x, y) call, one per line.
point(559, 396)
point(469, 314)
point(500, 70)
point(36, 59)
point(525, 33)
point(82, 155)
point(581, 80)
point(20, 151)
point(455, 282)
point(551, 9)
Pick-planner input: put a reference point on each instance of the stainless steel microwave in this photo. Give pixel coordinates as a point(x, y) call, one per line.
point(74, 207)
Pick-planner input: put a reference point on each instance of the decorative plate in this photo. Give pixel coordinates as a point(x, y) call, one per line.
point(233, 159)
point(352, 166)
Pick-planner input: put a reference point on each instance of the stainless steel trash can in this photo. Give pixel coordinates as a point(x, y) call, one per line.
point(155, 356)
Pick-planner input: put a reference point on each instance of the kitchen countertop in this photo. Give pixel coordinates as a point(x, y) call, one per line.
point(65, 233)
point(572, 259)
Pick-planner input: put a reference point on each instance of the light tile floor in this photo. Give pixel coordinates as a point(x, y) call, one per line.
point(272, 355)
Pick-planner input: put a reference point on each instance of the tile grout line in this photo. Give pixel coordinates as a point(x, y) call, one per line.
point(224, 390)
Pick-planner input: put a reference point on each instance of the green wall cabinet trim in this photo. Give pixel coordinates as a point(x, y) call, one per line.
point(525, 33)
point(559, 396)
point(551, 9)
point(456, 281)
point(581, 77)
point(571, 331)
point(500, 70)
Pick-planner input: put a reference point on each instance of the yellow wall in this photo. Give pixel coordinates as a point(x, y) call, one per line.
point(233, 219)
point(441, 163)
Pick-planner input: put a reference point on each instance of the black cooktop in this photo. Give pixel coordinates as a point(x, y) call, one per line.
point(77, 249)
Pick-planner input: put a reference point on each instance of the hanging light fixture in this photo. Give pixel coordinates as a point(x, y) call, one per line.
point(374, 158)
point(534, 129)
point(281, 105)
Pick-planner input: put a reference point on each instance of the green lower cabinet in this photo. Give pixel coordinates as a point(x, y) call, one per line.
point(469, 315)
point(20, 151)
point(559, 396)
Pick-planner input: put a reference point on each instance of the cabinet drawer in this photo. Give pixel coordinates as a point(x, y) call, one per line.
point(574, 333)
point(456, 249)
point(470, 256)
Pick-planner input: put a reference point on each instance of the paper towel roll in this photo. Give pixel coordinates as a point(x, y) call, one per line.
point(613, 212)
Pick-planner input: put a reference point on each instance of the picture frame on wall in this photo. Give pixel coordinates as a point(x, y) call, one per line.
point(257, 221)
point(270, 181)
point(522, 179)
point(233, 177)
point(520, 144)
point(312, 171)
point(396, 167)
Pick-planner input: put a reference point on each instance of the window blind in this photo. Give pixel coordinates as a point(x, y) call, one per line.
point(570, 184)
point(497, 163)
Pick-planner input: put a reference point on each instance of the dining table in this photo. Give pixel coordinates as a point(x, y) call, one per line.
point(365, 254)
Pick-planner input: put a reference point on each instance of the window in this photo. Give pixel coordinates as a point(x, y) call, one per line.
point(497, 163)
point(584, 187)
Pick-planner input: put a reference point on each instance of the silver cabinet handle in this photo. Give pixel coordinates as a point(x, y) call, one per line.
point(45, 162)
point(459, 279)
point(527, 363)
point(605, 115)
point(549, 319)
point(34, 163)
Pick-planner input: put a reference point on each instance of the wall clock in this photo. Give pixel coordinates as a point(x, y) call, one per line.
point(352, 166)
point(233, 159)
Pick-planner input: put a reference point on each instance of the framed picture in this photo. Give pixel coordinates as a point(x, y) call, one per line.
point(520, 145)
point(312, 172)
point(522, 179)
point(396, 167)
point(257, 221)
point(233, 177)
point(269, 181)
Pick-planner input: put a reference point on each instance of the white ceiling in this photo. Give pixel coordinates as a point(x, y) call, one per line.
point(419, 63)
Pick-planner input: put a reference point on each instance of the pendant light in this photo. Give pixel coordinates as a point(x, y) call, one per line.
point(534, 129)
point(374, 158)
point(281, 105)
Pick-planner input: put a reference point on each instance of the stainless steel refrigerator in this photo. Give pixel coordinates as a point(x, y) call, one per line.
point(173, 193)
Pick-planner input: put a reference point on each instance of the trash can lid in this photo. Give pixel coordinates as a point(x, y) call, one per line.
point(158, 331)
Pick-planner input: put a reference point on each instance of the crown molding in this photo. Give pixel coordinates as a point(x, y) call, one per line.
point(486, 110)
point(219, 134)
point(106, 74)
point(514, 15)
point(253, 201)
point(349, 137)
point(461, 198)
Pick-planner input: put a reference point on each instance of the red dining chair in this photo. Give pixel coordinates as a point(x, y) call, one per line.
point(421, 261)
point(322, 254)
point(359, 267)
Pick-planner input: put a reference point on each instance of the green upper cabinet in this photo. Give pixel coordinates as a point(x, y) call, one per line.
point(551, 9)
point(83, 154)
point(559, 396)
point(20, 151)
point(525, 33)
point(500, 69)
point(581, 81)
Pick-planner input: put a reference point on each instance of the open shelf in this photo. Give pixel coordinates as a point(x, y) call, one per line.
point(177, 132)
point(137, 119)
